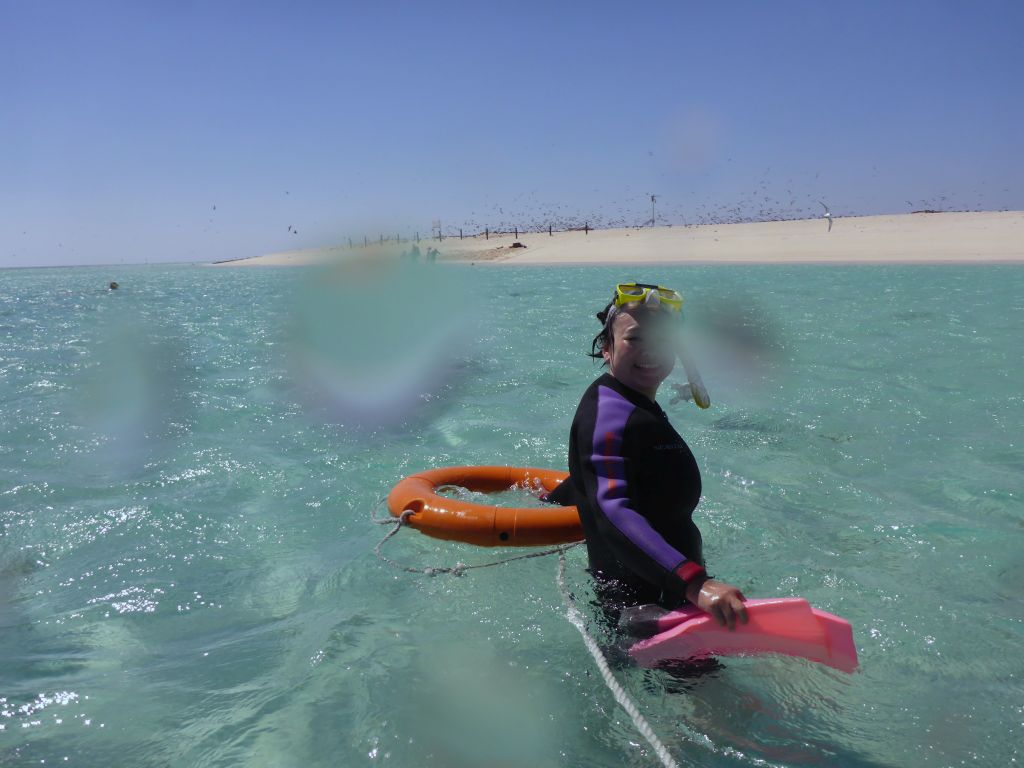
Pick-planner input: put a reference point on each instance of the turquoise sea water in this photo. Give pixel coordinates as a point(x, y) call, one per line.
point(187, 573)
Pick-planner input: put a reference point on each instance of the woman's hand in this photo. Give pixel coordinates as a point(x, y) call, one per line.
point(723, 601)
point(683, 392)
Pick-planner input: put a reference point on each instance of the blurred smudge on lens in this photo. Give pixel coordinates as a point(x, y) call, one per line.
point(373, 341)
point(739, 347)
point(131, 395)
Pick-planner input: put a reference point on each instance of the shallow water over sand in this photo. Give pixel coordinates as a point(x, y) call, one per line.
point(186, 553)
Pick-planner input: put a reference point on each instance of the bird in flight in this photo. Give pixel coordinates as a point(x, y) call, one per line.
point(828, 215)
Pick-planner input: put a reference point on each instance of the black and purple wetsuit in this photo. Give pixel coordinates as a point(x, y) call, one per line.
point(636, 485)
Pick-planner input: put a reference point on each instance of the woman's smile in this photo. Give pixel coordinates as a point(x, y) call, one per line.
point(640, 355)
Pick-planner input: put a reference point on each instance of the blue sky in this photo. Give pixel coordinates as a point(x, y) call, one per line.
point(123, 124)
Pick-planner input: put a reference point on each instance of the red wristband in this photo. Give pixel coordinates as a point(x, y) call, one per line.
point(690, 570)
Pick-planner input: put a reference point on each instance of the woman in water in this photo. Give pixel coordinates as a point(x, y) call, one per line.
point(632, 477)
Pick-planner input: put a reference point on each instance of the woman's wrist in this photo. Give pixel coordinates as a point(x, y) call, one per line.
point(694, 587)
point(694, 576)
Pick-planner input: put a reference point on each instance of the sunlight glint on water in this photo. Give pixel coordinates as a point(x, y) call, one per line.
point(186, 567)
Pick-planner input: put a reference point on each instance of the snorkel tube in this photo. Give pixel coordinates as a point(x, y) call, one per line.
point(697, 388)
point(698, 391)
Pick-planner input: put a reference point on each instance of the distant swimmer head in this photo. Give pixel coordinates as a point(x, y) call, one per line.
point(114, 286)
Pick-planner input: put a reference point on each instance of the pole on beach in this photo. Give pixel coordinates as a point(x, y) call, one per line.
point(460, 233)
point(549, 230)
point(487, 234)
point(586, 228)
point(517, 233)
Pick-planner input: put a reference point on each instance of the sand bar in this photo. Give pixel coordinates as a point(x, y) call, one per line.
point(987, 237)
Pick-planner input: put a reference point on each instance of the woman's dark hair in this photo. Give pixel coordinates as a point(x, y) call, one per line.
point(603, 340)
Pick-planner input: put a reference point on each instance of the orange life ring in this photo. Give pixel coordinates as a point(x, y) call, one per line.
point(455, 520)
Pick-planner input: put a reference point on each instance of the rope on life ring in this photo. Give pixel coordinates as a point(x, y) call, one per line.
point(487, 526)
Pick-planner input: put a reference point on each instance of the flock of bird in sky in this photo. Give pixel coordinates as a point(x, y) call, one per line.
point(526, 213)
point(523, 213)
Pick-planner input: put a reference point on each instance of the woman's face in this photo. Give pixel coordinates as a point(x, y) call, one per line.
point(643, 349)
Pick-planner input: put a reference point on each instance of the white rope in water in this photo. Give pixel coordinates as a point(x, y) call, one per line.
point(577, 620)
point(574, 616)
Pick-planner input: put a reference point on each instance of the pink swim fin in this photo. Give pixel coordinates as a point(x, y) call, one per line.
point(785, 625)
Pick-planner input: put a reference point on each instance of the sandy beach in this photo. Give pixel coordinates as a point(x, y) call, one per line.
point(988, 237)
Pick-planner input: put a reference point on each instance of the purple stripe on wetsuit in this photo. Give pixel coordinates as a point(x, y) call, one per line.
point(613, 411)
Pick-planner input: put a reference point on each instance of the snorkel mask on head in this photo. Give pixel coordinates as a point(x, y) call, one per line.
point(651, 295)
point(657, 297)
